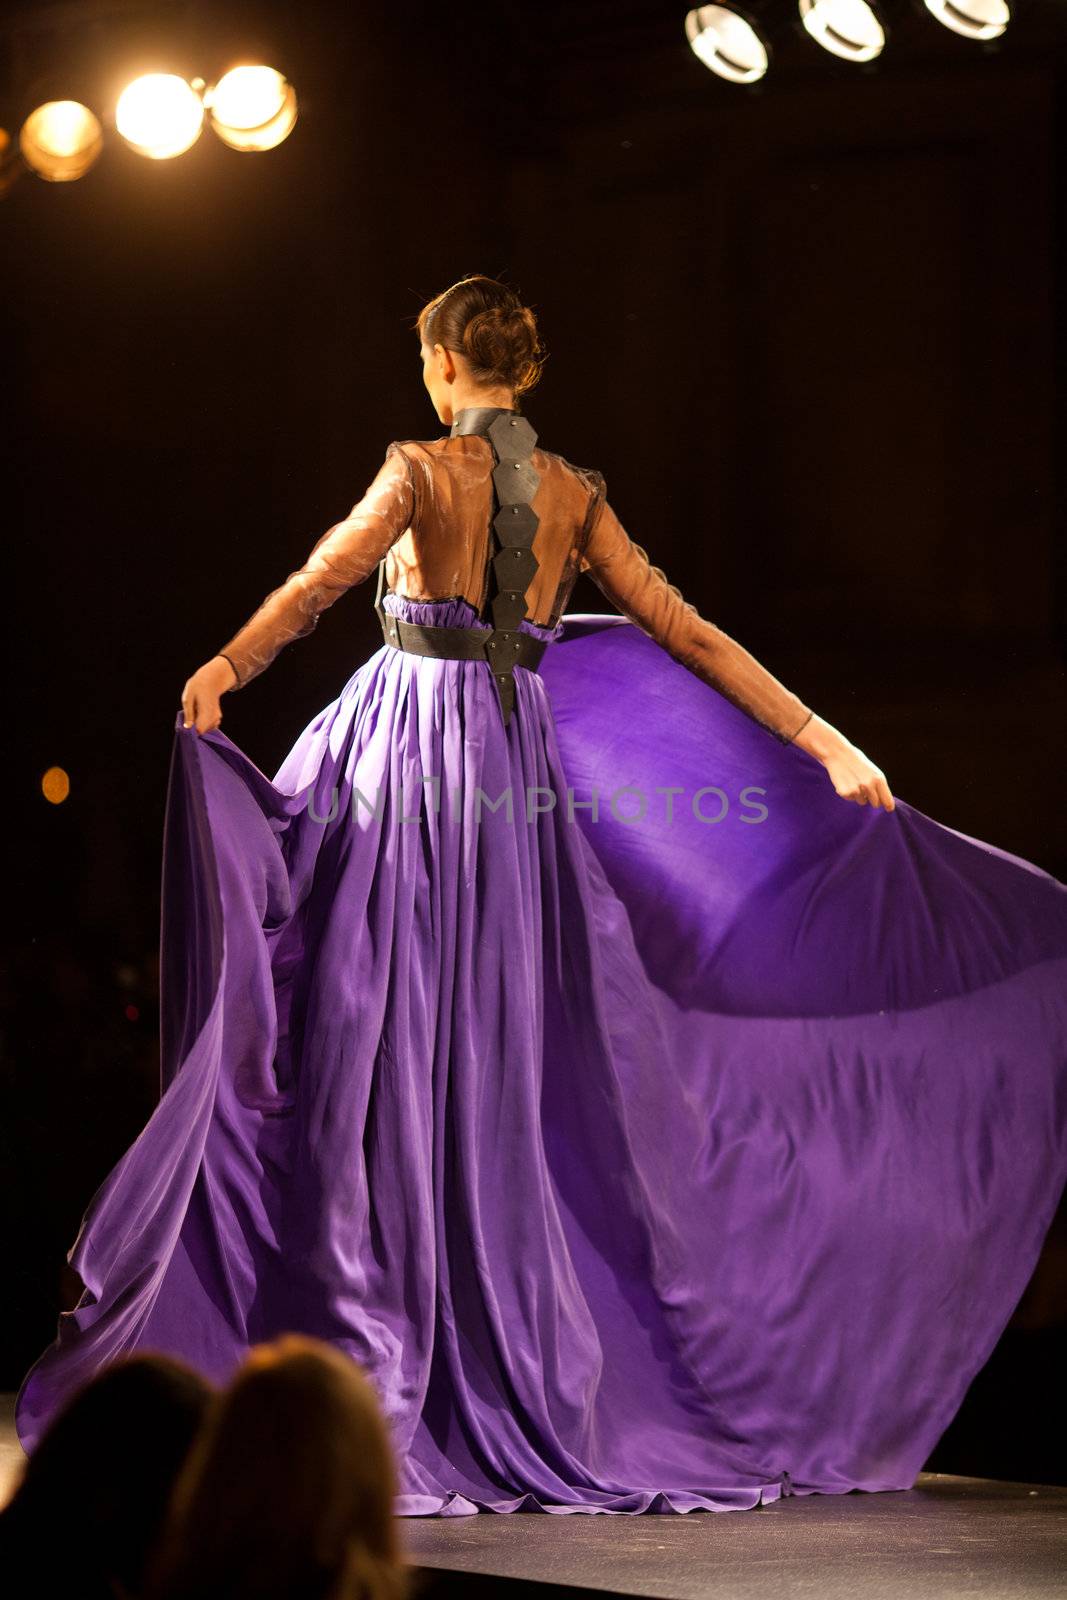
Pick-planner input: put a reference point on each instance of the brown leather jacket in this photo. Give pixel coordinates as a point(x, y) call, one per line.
point(427, 512)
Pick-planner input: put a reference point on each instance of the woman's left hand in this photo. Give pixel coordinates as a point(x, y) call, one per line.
point(851, 773)
point(856, 778)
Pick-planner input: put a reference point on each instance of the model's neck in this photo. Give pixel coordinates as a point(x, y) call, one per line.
point(480, 403)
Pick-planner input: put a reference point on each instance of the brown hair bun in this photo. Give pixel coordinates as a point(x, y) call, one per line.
point(486, 322)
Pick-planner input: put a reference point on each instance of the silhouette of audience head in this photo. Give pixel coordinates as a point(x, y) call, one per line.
point(288, 1490)
point(93, 1495)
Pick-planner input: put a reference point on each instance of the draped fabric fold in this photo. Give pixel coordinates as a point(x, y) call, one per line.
point(679, 1137)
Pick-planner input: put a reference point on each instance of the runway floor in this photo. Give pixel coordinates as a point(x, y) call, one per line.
point(948, 1538)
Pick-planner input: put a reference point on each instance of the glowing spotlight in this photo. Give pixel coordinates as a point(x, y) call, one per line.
point(61, 140)
point(975, 19)
point(847, 28)
point(726, 43)
point(159, 115)
point(10, 165)
point(55, 785)
point(252, 108)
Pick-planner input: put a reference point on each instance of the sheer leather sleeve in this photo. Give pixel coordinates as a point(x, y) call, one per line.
point(345, 555)
point(622, 571)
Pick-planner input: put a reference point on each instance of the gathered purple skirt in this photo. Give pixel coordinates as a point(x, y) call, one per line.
point(672, 1135)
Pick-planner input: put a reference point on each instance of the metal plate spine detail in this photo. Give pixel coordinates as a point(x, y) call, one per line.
point(512, 564)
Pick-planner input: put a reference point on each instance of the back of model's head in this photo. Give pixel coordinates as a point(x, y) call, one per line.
point(93, 1495)
point(486, 321)
point(289, 1490)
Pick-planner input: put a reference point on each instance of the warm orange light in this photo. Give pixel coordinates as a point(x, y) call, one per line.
point(252, 108)
point(159, 115)
point(55, 785)
point(10, 166)
point(61, 140)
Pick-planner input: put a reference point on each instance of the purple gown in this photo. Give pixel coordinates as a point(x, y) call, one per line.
point(646, 1164)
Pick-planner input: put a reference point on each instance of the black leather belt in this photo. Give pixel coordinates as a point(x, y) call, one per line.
point(502, 648)
point(512, 565)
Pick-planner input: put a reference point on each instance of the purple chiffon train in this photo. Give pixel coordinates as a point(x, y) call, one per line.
point(648, 1161)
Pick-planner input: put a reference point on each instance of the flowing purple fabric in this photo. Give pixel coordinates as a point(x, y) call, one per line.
point(648, 1161)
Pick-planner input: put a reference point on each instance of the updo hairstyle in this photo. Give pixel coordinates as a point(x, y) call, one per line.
point(485, 321)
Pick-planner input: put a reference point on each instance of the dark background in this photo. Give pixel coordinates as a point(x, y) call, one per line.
point(809, 332)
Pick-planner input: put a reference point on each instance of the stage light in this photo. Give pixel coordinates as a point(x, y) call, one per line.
point(974, 19)
point(55, 785)
point(726, 43)
point(252, 108)
point(10, 166)
point(159, 115)
point(60, 140)
point(847, 28)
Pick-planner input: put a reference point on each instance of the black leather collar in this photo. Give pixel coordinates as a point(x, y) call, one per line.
point(477, 419)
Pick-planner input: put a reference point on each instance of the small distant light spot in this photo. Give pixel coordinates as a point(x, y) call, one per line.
point(55, 785)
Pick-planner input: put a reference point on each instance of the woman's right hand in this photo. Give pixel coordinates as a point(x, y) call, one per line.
point(202, 692)
point(851, 773)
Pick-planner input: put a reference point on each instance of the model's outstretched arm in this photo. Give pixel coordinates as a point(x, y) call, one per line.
point(622, 571)
point(345, 555)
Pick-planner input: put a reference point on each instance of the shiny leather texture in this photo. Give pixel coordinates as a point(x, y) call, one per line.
point(427, 514)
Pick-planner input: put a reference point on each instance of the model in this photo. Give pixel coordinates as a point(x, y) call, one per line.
point(575, 1030)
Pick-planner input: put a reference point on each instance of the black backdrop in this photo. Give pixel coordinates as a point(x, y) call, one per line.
point(809, 333)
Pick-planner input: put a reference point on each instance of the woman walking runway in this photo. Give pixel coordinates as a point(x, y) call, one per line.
point(575, 1030)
